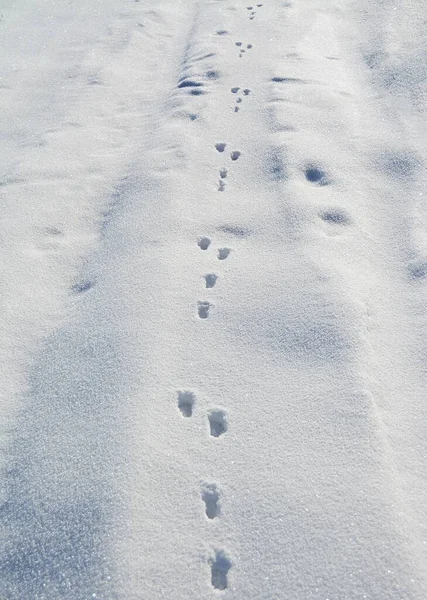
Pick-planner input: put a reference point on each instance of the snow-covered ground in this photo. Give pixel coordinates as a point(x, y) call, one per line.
point(213, 299)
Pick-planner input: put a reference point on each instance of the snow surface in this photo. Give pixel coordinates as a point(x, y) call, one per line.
point(213, 275)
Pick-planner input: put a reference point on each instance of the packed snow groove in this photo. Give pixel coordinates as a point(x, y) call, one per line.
point(83, 286)
point(335, 216)
point(236, 230)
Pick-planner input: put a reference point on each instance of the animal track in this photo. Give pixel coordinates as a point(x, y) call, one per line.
point(203, 309)
point(316, 175)
point(220, 146)
point(186, 401)
point(242, 50)
point(235, 90)
point(211, 498)
point(252, 14)
point(218, 422)
point(204, 243)
point(222, 176)
point(220, 567)
point(210, 280)
point(235, 155)
point(223, 253)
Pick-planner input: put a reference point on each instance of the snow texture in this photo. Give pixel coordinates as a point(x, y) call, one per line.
point(214, 271)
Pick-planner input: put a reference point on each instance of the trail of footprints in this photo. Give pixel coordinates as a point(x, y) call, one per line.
point(242, 50)
point(252, 11)
point(223, 173)
point(216, 418)
point(217, 422)
point(210, 492)
point(239, 100)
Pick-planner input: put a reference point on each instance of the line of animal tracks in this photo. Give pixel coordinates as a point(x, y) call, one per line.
point(214, 273)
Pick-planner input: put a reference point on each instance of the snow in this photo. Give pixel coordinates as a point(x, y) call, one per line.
point(214, 261)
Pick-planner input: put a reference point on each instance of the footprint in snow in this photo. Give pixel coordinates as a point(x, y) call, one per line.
point(242, 50)
point(210, 280)
point(218, 422)
point(235, 155)
point(186, 401)
point(223, 253)
point(222, 176)
point(211, 497)
point(239, 100)
point(204, 243)
point(220, 146)
point(220, 566)
point(203, 309)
